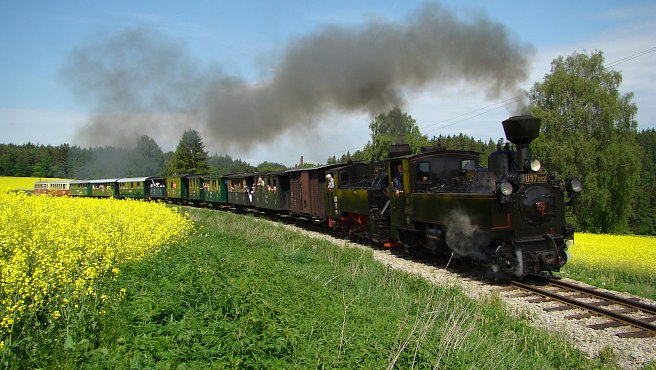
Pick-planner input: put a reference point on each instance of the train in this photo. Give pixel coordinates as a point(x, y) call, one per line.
point(508, 217)
point(52, 187)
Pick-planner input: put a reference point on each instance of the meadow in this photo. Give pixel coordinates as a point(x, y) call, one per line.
point(617, 262)
point(240, 292)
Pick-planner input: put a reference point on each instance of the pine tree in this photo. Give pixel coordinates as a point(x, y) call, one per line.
point(190, 155)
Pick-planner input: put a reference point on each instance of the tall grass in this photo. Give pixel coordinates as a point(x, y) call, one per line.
point(243, 293)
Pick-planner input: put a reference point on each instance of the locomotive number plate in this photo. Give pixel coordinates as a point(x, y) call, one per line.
point(534, 178)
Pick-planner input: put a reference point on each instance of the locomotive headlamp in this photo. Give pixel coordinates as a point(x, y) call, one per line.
point(574, 185)
point(505, 188)
point(535, 165)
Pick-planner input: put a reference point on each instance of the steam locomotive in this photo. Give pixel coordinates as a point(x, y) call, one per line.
point(509, 216)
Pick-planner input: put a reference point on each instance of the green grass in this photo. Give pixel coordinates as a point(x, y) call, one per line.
point(244, 293)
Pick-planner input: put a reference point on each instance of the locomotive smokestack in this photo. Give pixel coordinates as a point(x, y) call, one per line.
point(521, 131)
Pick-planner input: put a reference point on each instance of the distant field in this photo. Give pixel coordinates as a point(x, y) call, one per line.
point(26, 183)
point(618, 262)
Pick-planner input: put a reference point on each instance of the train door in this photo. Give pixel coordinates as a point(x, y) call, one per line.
point(398, 187)
point(305, 192)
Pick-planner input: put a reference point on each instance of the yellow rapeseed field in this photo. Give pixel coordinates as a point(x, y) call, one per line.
point(630, 254)
point(53, 250)
point(25, 183)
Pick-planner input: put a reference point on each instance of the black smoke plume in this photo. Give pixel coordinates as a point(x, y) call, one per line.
point(137, 78)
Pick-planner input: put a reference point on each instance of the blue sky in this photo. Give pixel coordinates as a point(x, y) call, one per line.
point(246, 39)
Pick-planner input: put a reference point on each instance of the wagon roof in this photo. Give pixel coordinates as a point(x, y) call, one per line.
point(202, 176)
point(341, 166)
point(102, 181)
point(326, 166)
point(241, 175)
point(178, 175)
point(54, 182)
point(432, 153)
point(138, 179)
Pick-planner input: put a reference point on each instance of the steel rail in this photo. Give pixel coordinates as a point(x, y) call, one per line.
point(650, 328)
point(648, 308)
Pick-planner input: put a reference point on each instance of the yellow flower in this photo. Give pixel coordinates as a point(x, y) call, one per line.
point(633, 254)
point(56, 249)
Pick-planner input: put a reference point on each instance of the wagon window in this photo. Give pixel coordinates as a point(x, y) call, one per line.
point(423, 173)
point(468, 164)
point(343, 178)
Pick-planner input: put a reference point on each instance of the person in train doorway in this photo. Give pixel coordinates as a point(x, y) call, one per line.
point(330, 181)
point(397, 181)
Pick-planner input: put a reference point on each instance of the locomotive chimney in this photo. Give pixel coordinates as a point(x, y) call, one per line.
point(521, 131)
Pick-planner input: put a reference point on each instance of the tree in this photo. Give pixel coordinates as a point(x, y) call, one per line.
point(395, 127)
point(147, 158)
point(190, 155)
point(464, 142)
point(225, 165)
point(644, 217)
point(589, 130)
point(270, 167)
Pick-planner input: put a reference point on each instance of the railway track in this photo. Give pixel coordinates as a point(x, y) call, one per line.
point(638, 317)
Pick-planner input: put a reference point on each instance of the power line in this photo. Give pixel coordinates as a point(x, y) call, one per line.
point(631, 57)
point(473, 111)
point(492, 107)
point(517, 97)
point(468, 116)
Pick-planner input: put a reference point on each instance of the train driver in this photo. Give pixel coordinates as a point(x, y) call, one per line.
point(397, 182)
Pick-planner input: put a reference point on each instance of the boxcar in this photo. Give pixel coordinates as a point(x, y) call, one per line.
point(54, 187)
